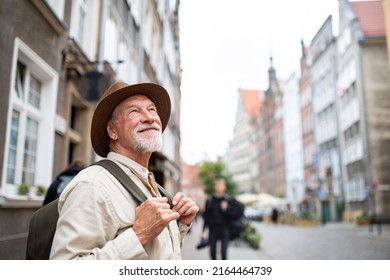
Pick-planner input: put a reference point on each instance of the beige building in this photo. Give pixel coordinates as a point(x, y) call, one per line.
point(364, 102)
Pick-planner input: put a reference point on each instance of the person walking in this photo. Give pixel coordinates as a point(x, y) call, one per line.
point(98, 218)
point(274, 215)
point(62, 180)
point(216, 220)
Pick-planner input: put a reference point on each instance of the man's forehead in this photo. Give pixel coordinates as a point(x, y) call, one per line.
point(136, 98)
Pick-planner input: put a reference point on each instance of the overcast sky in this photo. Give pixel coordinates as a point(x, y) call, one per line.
point(226, 45)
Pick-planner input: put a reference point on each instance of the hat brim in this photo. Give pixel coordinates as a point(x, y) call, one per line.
point(157, 94)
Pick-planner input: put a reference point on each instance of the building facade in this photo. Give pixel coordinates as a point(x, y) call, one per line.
point(323, 79)
point(272, 171)
point(310, 161)
point(293, 145)
point(363, 92)
point(52, 80)
point(242, 163)
point(344, 92)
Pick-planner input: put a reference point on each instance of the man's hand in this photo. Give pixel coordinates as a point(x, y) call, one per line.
point(186, 208)
point(224, 205)
point(151, 217)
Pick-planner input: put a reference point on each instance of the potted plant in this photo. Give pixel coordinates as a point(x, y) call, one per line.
point(303, 218)
point(40, 190)
point(23, 189)
point(252, 236)
point(363, 219)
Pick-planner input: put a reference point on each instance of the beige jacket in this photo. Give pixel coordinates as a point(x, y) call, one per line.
point(96, 218)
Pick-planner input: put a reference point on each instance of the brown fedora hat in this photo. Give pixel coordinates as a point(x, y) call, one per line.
point(114, 95)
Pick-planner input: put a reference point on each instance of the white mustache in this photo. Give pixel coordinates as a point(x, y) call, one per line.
point(141, 127)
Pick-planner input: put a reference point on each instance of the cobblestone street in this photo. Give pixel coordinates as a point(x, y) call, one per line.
point(335, 241)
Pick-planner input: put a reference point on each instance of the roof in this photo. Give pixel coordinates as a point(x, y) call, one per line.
point(252, 102)
point(371, 17)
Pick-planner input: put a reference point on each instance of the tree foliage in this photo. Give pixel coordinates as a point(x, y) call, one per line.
point(209, 172)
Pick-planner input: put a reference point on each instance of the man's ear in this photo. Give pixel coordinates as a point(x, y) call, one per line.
point(111, 132)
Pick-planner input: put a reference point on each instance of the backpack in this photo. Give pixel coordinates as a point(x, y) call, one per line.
point(235, 213)
point(64, 181)
point(43, 222)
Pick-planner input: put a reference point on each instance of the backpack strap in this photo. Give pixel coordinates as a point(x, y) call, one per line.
point(128, 183)
point(165, 193)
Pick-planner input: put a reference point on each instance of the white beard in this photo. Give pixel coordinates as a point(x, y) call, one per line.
point(148, 144)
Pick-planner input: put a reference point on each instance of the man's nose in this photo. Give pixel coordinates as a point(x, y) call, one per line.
point(147, 116)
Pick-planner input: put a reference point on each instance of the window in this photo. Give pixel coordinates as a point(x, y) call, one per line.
point(14, 128)
point(30, 127)
point(353, 150)
point(30, 151)
point(84, 25)
point(34, 94)
point(24, 125)
point(79, 21)
point(81, 28)
point(112, 41)
point(58, 7)
point(355, 189)
point(123, 69)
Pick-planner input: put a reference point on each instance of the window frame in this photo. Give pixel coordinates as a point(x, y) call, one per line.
point(45, 116)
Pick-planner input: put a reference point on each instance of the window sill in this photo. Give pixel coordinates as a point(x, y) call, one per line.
point(8, 202)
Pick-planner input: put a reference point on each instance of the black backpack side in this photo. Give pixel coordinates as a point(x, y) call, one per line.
point(235, 213)
point(43, 224)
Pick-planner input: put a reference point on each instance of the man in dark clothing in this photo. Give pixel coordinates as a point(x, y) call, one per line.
point(216, 219)
point(274, 215)
point(58, 185)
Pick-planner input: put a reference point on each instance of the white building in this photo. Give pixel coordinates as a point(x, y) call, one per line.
point(323, 78)
point(293, 146)
point(243, 152)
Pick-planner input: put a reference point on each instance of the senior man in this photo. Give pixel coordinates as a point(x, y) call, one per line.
point(98, 218)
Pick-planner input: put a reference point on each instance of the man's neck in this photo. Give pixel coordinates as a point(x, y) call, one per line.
point(141, 158)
